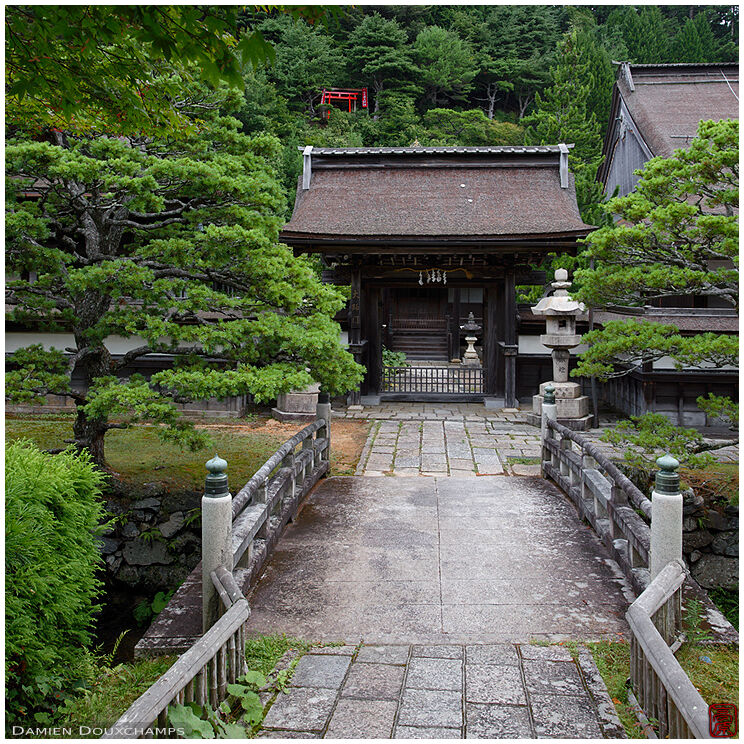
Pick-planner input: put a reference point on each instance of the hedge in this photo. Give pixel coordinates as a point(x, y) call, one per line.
point(52, 516)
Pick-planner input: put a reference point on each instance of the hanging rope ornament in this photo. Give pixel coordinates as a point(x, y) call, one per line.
point(421, 278)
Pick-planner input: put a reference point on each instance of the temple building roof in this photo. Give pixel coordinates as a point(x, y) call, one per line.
point(666, 103)
point(436, 193)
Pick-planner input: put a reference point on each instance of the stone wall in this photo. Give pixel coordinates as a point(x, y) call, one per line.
point(154, 542)
point(711, 542)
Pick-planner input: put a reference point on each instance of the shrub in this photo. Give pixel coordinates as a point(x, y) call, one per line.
point(52, 515)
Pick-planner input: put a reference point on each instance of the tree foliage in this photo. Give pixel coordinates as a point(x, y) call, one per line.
point(83, 67)
point(174, 245)
point(677, 235)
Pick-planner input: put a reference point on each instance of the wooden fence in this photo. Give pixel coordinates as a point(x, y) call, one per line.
point(605, 497)
point(201, 674)
point(439, 381)
point(662, 689)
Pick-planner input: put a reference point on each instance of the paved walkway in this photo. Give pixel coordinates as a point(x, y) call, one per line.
point(439, 560)
point(501, 691)
point(461, 440)
point(445, 581)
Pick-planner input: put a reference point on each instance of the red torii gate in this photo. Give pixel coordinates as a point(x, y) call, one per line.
point(345, 94)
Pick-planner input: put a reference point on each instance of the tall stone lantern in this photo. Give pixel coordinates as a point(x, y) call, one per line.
point(560, 312)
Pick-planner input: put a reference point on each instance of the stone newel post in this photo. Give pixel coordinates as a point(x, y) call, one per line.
point(666, 516)
point(216, 536)
point(548, 414)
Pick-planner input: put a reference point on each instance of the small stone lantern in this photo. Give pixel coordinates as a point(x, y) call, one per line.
point(470, 357)
point(560, 312)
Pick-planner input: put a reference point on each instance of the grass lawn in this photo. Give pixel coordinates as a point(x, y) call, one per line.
point(139, 456)
point(717, 682)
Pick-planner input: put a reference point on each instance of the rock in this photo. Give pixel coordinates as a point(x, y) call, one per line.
point(108, 546)
point(726, 543)
point(144, 516)
point(696, 539)
point(731, 510)
point(695, 556)
point(173, 525)
point(150, 503)
point(689, 524)
point(130, 530)
point(140, 552)
point(691, 502)
point(716, 570)
point(152, 578)
point(717, 521)
point(113, 562)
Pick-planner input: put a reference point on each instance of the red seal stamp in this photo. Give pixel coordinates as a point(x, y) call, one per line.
point(723, 720)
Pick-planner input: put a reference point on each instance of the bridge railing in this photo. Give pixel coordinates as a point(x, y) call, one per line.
point(200, 675)
point(660, 686)
point(231, 529)
point(605, 497)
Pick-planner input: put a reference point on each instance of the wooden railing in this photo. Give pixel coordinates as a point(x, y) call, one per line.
point(262, 507)
point(259, 512)
point(200, 675)
point(605, 497)
point(662, 689)
point(455, 381)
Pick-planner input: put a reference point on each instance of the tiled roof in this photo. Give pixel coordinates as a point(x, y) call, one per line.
point(668, 101)
point(496, 192)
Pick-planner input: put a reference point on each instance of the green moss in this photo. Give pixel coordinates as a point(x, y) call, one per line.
point(727, 601)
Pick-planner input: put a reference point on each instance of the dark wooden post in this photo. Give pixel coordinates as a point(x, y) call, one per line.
point(371, 330)
point(455, 352)
point(510, 340)
point(491, 328)
point(355, 324)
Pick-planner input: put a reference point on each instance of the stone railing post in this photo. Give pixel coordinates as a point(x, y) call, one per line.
point(216, 536)
point(666, 516)
point(323, 411)
point(549, 412)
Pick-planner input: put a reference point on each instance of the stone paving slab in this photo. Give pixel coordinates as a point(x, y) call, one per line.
point(424, 439)
point(443, 691)
point(396, 560)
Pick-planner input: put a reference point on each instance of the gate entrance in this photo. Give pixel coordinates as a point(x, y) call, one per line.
point(432, 382)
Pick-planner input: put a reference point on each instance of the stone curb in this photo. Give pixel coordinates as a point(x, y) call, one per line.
point(609, 721)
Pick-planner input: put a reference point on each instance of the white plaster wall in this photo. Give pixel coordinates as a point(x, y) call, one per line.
point(532, 345)
point(61, 341)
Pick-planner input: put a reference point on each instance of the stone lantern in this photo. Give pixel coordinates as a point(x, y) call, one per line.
point(560, 312)
point(470, 357)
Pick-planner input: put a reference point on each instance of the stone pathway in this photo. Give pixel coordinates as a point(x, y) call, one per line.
point(453, 691)
point(463, 440)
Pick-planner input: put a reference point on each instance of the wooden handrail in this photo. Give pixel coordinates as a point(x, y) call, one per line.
point(152, 704)
point(664, 691)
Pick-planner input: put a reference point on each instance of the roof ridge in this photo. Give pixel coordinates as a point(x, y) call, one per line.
point(439, 150)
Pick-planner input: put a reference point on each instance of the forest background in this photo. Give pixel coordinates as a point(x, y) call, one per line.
point(470, 75)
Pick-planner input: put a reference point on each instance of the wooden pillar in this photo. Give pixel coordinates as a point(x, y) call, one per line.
point(455, 350)
point(492, 316)
point(355, 323)
point(510, 340)
point(371, 328)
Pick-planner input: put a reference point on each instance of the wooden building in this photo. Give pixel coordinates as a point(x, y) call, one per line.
point(426, 235)
point(656, 110)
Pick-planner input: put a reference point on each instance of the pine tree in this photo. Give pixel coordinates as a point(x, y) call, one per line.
point(447, 64)
point(379, 54)
point(707, 40)
point(171, 244)
point(689, 47)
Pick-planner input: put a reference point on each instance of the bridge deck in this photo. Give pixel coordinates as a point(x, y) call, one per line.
point(439, 560)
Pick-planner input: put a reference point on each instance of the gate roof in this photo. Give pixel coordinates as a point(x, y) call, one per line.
point(435, 194)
